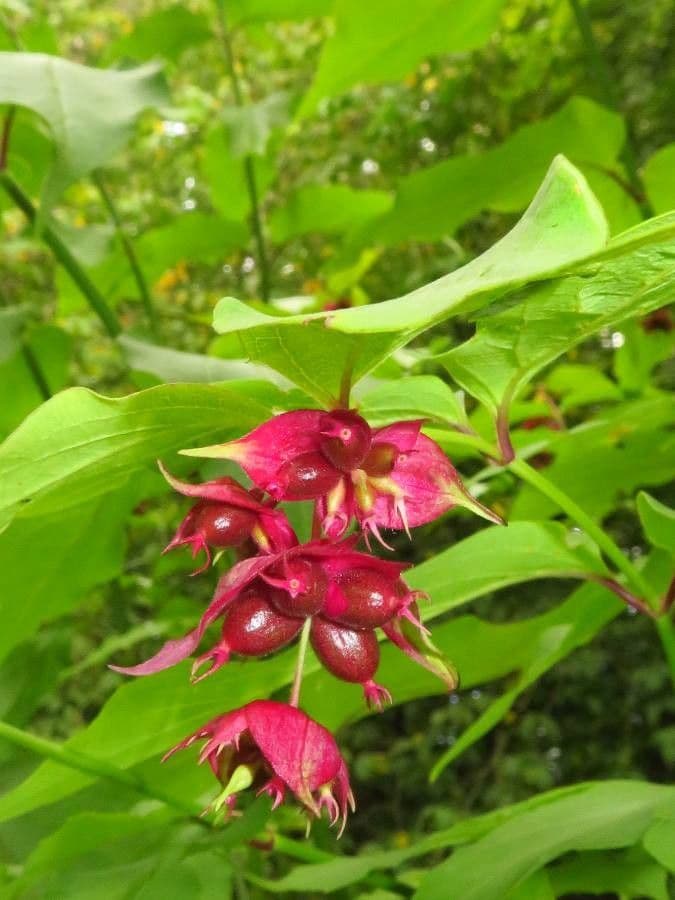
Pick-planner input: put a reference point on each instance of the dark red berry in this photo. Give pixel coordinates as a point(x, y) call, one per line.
point(381, 459)
point(254, 628)
point(306, 477)
point(349, 654)
point(371, 599)
point(346, 439)
point(305, 588)
point(222, 525)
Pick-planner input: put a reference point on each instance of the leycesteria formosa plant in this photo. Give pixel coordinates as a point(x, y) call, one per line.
point(330, 591)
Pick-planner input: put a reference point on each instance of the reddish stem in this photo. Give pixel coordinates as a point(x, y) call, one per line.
point(625, 595)
point(4, 140)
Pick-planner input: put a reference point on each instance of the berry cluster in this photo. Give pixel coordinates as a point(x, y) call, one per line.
point(326, 590)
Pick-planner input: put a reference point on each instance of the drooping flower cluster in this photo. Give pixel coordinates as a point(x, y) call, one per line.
point(327, 591)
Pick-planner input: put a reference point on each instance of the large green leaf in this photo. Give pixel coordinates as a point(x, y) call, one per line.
point(562, 225)
point(658, 521)
point(116, 856)
point(658, 179)
point(327, 208)
point(433, 202)
point(599, 816)
point(625, 447)
point(90, 112)
point(170, 707)
point(385, 39)
point(226, 178)
point(629, 876)
point(73, 551)
point(512, 344)
point(79, 445)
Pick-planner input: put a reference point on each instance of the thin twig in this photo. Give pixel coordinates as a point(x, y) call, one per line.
point(294, 699)
point(249, 170)
point(4, 139)
point(89, 765)
point(129, 251)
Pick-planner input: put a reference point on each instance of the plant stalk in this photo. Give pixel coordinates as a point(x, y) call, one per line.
point(249, 170)
point(64, 257)
point(129, 251)
point(294, 699)
point(666, 630)
point(89, 765)
point(634, 578)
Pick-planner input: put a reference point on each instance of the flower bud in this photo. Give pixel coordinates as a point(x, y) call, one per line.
point(345, 440)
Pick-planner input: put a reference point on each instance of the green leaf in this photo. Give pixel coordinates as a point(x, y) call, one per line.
point(562, 225)
point(658, 179)
point(46, 347)
point(79, 445)
point(628, 446)
point(76, 549)
point(641, 352)
point(627, 875)
point(547, 647)
point(224, 173)
point(415, 397)
point(497, 557)
point(385, 39)
point(326, 208)
point(601, 816)
point(536, 887)
point(659, 842)
point(546, 320)
point(176, 365)
point(90, 112)
point(579, 385)
point(167, 32)
point(658, 522)
point(116, 856)
point(432, 203)
point(251, 126)
point(12, 320)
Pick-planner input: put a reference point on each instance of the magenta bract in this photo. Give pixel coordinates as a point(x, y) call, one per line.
point(284, 749)
point(226, 516)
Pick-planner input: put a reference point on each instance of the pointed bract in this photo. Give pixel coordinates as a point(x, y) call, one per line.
point(285, 749)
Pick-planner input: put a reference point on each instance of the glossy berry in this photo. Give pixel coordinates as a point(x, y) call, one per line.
point(370, 599)
point(349, 654)
point(305, 477)
point(345, 440)
point(301, 588)
point(222, 525)
point(253, 627)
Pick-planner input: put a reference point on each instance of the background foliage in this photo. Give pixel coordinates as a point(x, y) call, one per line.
point(313, 157)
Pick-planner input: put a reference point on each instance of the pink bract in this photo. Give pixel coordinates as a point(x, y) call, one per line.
point(285, 749)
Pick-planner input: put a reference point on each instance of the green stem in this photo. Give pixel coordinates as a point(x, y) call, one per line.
point(525, 471)
point(89, 765)
point(35, 369)
point(603, 78)
point(249, 170)
point(129, 251)
point(64, 257)
point(294, 699)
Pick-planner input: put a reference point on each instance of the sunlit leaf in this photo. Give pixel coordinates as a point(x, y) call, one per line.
point(562, 225)
point(385, 39)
